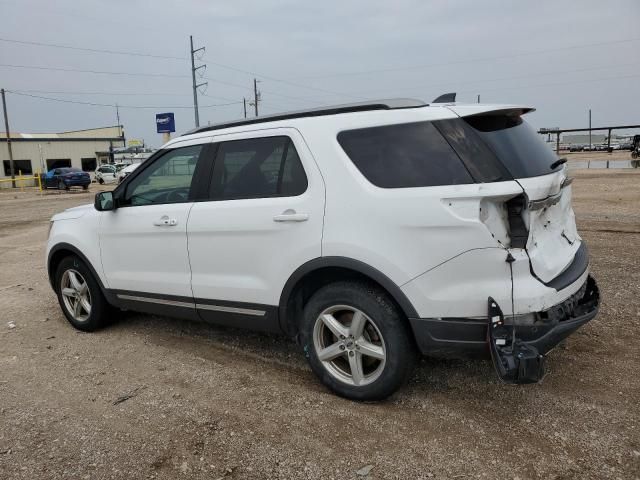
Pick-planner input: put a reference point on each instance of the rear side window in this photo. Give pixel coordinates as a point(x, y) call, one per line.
point(402, 156)
point(515, 143)
point(481, 162)
point(257, 167)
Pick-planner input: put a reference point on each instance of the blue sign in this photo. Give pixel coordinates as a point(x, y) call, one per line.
point(165, 123)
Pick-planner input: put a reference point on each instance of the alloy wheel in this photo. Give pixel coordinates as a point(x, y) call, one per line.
point(76, 295)
point(349, 345)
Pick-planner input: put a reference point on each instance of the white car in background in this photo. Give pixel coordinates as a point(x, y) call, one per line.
point(122, 174)
point(105, 174)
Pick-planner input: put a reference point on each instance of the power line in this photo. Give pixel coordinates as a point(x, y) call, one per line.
point(554, 84)
point(98, 72)
point(93, 50)
point(95, 104)
point(279, 80)
point(518, 77)
point(115, 94)
point(475, 60)
point(171, 57)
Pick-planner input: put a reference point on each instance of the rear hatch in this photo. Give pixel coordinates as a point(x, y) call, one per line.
point(552, 239)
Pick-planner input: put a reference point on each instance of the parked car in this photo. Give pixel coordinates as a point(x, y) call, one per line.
point(576, 148)
point(122, 174)
point(66, 177)
point(370, 232)
point(105, 174)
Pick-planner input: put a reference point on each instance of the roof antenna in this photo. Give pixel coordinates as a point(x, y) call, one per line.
point(446, 98)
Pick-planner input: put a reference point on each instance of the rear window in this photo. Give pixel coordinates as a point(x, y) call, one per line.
point(402, 156)
point(515, 143)
point(70, 170)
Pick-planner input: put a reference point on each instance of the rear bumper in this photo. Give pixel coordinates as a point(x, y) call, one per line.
point(464, 337)
point(77, 183)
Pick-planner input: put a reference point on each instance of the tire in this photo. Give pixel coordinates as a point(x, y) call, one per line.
point(61, 185)
point(85, 187)
point(71, 268)
point(101, 181)
point(634, 155)
point(383, 333)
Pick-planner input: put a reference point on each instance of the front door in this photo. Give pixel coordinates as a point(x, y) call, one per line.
point(263, 220)
point(143, 242)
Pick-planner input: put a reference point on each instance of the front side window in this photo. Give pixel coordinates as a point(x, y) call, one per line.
point(404, 155)
point(257, 167)
point(167, 180)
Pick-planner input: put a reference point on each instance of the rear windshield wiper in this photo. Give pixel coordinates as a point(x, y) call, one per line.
point(557, 163)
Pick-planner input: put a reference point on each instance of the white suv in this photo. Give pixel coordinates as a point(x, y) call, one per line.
point(369, 232)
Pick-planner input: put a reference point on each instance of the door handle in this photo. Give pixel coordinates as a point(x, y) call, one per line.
point(165, 221)
point(291, 216)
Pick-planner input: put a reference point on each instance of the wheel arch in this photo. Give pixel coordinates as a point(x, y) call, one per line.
point(321, 271)
point(62, 250)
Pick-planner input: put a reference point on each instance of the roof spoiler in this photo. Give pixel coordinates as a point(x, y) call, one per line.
point(446, 98)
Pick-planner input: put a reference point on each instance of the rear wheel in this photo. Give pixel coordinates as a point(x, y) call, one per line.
point(356, 341)
point(61, 185)
point(80, 296)
point(101, 181)
point(85, 187)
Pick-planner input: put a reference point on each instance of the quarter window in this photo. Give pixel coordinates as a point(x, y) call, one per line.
point(405, 155)
point(166, 180)
point(258, 167)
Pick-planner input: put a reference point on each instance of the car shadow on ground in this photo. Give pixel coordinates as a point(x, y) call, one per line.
point(430, 374)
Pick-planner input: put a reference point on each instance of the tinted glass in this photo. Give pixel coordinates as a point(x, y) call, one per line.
point(259, 167)
point(166, 180)
point(407, 155)
point(481, 162)
point(69, 170)
point(515, 143)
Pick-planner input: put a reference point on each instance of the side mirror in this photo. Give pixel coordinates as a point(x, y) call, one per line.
point(104, 201)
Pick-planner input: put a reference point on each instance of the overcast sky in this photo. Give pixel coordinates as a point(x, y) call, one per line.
point(561, 57)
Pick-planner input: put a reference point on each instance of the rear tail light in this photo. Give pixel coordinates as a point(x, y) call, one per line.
point(504, 219)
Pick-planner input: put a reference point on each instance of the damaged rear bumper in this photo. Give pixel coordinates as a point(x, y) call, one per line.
point(466, 337)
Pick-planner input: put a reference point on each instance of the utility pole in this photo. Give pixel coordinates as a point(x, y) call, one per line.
point(256, 95)
point(478, 98)
point(8, 133)
point(118, 118)
point(193, 79)
point(590, 130)
point(244, 102)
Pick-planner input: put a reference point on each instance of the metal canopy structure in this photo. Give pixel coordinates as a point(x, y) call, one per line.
point(558, 131)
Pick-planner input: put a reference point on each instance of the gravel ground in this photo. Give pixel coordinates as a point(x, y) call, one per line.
point(151, 397)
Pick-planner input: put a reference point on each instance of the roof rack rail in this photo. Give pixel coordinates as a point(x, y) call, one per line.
point(391, 104)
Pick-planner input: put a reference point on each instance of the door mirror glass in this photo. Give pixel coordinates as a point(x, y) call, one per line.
point(104, 201)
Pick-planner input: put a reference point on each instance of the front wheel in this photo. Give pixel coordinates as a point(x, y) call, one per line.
point(61, 185)
point(357, 341)
point(80, 296)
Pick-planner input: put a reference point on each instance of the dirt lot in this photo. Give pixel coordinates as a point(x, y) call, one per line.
point(212, 403)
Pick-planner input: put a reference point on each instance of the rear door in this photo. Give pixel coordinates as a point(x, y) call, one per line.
point(263, 219)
